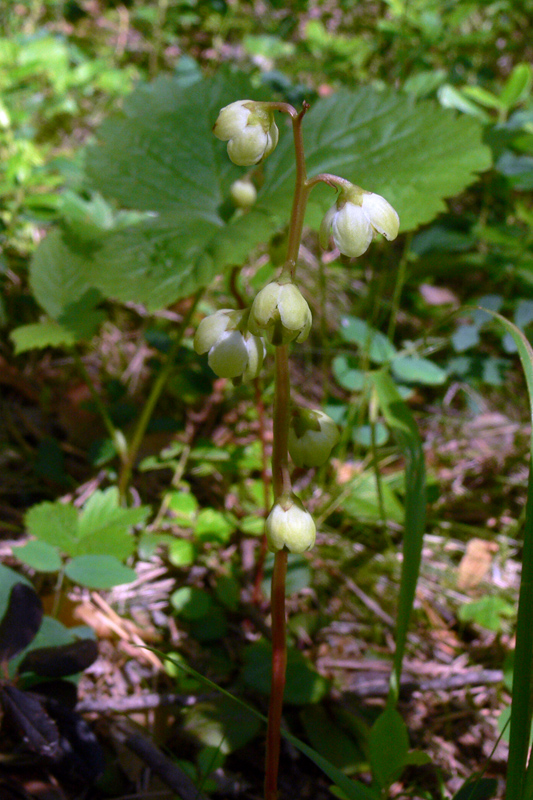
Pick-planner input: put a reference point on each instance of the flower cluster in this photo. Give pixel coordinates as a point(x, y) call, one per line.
point(235, 341)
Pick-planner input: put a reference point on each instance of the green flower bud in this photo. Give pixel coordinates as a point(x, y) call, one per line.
point(243, 193)
point(290, 525)
point(232, 352)
point(249, 129)
point(356, 218)
point(280, 313)
point(312, 437)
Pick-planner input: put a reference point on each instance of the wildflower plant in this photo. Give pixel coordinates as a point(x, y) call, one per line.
point(235, 342)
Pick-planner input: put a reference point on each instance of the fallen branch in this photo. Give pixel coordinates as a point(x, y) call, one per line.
point(380, 687)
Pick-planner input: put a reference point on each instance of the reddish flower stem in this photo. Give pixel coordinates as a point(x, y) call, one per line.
point(279, 664)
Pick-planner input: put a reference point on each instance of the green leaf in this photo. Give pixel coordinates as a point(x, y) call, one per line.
point(40, 556)
point(374, 344)
point(214, 526)
point(191, 602)
point(330, 739)
point(363, 500)
point(99, 572)
point(105, 527)
point(220, 723)
point(482, 96)
point(159, 156)
point(303, 685)
point(8, 578)
point(399, 419)
point(517, 86)
point(347, 374)
point(388, 746)
point(487, 612)
point(450, 97)
point(354, 790)
point(413, 369)
point(47, 333)
point(369, 137)
point(54, 523)
point(181, 553)
point(58, 274)
point(81, 318)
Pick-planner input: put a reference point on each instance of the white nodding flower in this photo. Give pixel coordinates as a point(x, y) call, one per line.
point(243, 193)
point(356, 218)
point(290, 525)
point(249, 129)
point(312, 437)
point(232, 352)
point(280, 313)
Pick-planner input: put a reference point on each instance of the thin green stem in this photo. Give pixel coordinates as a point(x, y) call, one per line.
point(116, 435)
point(279, 664)
point(401, 276)
point(149, 407)
point(301, 192)
point(281, 479)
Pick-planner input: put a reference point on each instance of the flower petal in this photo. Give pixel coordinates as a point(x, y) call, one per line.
point(381, 215)
point(352, 231)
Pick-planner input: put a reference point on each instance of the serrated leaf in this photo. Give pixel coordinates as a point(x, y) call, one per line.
point(54, 523)
point(37, 335)
point(160, 157)
point(105, 527)
point(58, 274)
point(99, 572)
point(369, 137)
point(81, 318)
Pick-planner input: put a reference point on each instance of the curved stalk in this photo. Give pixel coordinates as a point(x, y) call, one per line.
point(149, 407)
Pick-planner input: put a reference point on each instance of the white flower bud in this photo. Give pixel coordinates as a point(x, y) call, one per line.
point(312, 437)
point(249, 129)
point(243, 193)
point(280, 313)
point(356, 218)
point(231, 352)
point(290, 525)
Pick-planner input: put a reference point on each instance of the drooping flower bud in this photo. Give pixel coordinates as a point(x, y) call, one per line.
point(243, 193)
point(290, 525)
point(312, 437)
point(249, 129)
point(232, 351)
point(280, 313)
point(356, 218)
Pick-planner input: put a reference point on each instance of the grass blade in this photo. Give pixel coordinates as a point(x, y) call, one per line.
point(517, 787)
point(400, 420)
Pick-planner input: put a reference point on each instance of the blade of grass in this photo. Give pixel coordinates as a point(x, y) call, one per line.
point(404, 428)
point(354, 790)
point(518, 788)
